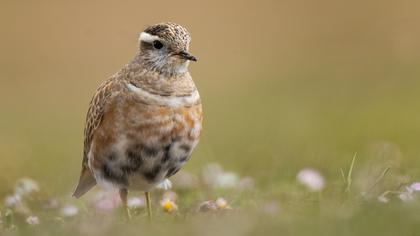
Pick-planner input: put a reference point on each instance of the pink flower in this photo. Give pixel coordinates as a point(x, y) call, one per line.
point(106, 201)
point(415, 186)
point(171, 195)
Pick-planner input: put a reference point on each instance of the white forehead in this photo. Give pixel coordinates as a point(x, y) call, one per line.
point(148, 38)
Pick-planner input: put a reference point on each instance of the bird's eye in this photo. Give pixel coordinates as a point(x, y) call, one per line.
point(157, 44)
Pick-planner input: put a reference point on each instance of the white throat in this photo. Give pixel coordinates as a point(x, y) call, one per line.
point(171, 101)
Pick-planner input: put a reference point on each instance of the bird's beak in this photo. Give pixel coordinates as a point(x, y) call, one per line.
point(187, 56)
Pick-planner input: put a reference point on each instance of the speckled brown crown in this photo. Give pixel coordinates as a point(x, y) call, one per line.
point(170, 32)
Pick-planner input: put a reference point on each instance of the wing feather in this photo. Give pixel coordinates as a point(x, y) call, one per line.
point(94, 117)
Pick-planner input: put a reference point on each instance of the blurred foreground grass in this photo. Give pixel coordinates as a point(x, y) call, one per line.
point(268, 131)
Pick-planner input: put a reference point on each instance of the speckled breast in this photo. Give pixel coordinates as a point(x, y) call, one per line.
point(141, 144)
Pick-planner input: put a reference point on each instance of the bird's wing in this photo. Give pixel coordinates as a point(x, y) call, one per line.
point(93, 120)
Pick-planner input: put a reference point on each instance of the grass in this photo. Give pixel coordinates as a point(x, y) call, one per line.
point(298, 126)
point(360, 162)
point(349, 180)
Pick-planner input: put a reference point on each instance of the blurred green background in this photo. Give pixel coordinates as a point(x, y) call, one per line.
point(285, 84)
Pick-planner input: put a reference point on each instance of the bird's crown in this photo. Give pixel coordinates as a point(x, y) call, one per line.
point(170, 32)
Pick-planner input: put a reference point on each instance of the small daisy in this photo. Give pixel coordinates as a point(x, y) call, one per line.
point(15, 201)
point(32, 220)
point(311, 179)
point(222, 204)
point(26, 186)
point(135, 202)
point(215, 176)
point(219, 204)
point(171, 195)
point(406, 196)
point(12, 200)
point(69, 211)
point(168, 205)
point(383, 199)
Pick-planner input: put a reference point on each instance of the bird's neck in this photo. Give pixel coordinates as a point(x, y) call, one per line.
point(161, 65)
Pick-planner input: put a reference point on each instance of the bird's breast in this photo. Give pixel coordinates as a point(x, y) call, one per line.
point(144, 141)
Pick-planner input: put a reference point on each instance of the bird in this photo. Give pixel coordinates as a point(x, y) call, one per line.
point(143, 122)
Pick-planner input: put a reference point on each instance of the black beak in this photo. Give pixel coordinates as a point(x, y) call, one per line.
point(185, 55)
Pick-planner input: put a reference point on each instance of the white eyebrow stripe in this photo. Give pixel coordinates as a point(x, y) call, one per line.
point(146, 37)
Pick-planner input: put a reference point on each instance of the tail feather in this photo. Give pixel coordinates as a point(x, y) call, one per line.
point(86, 182)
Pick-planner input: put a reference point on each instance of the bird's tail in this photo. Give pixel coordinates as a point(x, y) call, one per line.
point(86, 182)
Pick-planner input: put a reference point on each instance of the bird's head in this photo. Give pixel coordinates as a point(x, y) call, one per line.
point(164, 48)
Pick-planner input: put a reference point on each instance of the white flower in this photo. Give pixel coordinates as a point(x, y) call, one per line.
point(12, 200)
point(311, 178)
point(219, 204)
point(32, 220)
point(69, 211)
point(215, 176)
point(26, 186)
point(222, 204)
point(135, 202)
point(227, 180)
point(168, 205)
point(15, 202)
point(383, 199)
point(406, 196)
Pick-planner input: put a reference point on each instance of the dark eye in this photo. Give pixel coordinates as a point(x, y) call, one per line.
point(157, 44)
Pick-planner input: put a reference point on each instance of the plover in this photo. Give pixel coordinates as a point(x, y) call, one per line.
point(143, 122)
